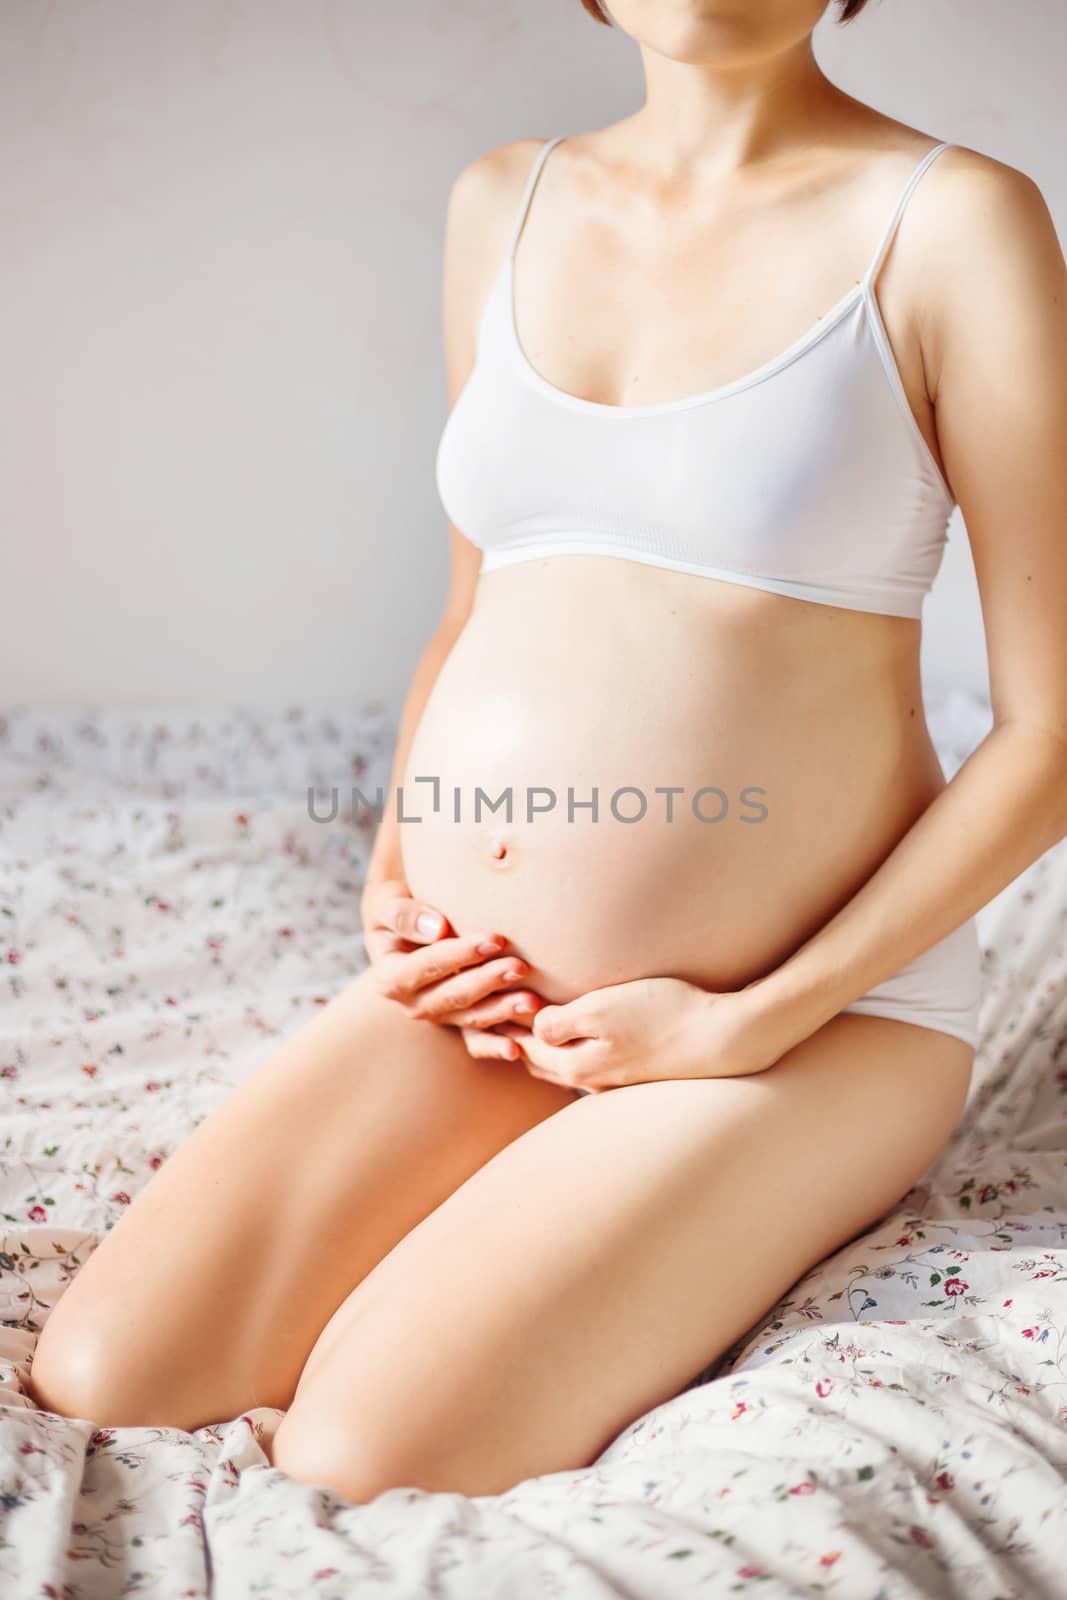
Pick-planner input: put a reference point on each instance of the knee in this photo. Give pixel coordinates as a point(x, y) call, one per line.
point(316, 1450)
point(365, 1460)
point(79, 1372)
point(71, 1376)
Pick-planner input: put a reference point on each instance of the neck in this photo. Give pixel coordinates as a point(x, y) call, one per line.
point(700, 120)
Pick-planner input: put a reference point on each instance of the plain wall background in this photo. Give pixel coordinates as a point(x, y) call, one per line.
point(223, 381)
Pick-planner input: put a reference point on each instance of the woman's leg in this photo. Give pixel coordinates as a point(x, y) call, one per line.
point(594, 1266)
point(208, 1294)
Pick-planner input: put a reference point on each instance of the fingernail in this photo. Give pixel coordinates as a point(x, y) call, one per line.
point(523, 1006)
point(512, 976)
point(426, 922)
point(489, 947)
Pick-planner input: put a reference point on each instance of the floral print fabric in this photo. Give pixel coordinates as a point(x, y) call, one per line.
point(895, 1426)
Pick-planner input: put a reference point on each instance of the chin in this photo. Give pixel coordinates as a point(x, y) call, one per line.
point(716, 33)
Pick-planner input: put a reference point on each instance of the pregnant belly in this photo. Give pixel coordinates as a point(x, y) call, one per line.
point(636, 779)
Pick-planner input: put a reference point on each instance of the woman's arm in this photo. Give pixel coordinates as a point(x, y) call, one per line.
point(452, 980)
point(467, 221)
point(386, 863)
point(480, 204)
point(994, 344)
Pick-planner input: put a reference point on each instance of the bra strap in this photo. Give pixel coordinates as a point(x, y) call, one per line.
point(531, 184)
point(887, 238)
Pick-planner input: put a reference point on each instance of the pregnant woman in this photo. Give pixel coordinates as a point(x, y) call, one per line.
point(672, 989)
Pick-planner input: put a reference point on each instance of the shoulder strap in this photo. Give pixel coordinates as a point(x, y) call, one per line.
point(887, 238)
point(531, 184)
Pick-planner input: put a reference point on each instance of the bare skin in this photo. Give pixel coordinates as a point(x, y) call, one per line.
point(191, 1309)
point(760, 1127)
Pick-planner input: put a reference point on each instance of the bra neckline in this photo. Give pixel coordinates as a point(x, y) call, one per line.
point(766, 369)
point(861, 293)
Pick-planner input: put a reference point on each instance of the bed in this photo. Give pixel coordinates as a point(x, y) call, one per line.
point(896, 1426)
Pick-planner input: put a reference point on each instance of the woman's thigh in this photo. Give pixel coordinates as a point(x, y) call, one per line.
point(208, 1294)
point(593, 1267)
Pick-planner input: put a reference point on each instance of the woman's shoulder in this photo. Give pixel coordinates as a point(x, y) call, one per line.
point(973, 176)
point(969, 208)
point(482, 206)
point(980, 258)
point(486, 192)
point(973, 203)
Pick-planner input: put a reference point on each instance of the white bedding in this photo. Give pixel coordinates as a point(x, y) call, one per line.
point(895, 1426)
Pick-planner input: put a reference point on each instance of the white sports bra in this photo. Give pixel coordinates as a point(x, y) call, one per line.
point(809, 476)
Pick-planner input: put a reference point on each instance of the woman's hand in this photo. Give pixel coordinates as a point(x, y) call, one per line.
point(650, 1029)
point(394, 921)
point(436, 975)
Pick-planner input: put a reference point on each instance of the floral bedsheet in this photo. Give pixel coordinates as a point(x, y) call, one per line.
point(896, 1426)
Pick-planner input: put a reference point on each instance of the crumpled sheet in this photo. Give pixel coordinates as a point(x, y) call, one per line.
point(895, 1426)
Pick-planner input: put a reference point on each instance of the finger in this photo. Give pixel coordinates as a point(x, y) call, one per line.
point(565, 1064)
point(389, 904)
point(560, 1024)
point(403, 974)
point(380, 942)
point(485, 1046)
point(420, 924)
point(467, 988)
point(513, 1005)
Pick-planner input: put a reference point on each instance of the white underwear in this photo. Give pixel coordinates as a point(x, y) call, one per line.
point(940, 989)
